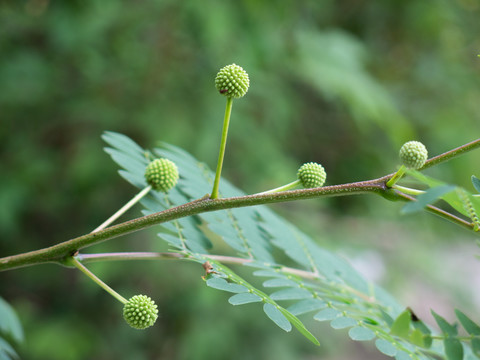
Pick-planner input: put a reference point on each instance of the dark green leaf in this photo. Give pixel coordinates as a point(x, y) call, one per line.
point(401, 325)
point(360, 333)
point(476, 183)
point(471, 327)
point(453, 349)
point(222, 284)
point(277, 317)
point(476, 346)
point(427, 198)
point(244, 298)
point(448, 329)
point(386, 347)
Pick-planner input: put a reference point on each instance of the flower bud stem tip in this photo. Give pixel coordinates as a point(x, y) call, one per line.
point(223, 144)
point(124, 208)
point(99, 282)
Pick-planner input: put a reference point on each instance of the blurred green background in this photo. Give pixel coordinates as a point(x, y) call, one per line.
point(343, 83)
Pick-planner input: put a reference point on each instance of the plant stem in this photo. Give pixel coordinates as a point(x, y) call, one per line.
point(223, 144)
point(92, 276)
point(282, 188)
point(398, 175)
point(60, 252)
point(442, 213)
point(124, 208)
point(87, 258)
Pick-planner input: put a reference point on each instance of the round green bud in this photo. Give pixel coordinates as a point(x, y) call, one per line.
point(232, 81)
point(161, 174)
point(311, 175)
point(140, 312)
point(413, 154)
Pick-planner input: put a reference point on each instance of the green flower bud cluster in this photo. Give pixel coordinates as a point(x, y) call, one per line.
point(232, 81)
point(413, 154)
point(311, 175)
point(161, 174)
point(140, 312)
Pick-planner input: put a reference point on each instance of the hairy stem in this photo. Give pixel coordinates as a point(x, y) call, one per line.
point(61, 252)
point(58, 253)
point(223, 144)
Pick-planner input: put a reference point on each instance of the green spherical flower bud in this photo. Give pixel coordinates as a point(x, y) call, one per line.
point(140, 312)
point(311, 175)
point(161, 174)
point(232, 81)
point(413, 154)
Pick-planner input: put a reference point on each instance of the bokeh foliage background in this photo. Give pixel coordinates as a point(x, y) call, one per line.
point(343, 83)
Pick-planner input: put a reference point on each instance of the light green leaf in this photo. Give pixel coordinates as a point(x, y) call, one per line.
point(401, 325)
point(361, 333)
point(244, 298)
point(401, 355)
point(307, 305)
point(279, 282)
point(222, 284)
point(327, 314)
point(453, 349)
point(386, 347)
point(6, 350)
point(343, 322)
point(9, 323)
point(277, 317)
point(291, 294)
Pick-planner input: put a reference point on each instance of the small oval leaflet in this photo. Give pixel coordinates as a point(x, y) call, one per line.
point(360, 333)
point(291, 294)
point(343, 322)
point(386, 347)
point(222, 284)
point(244, 298)
point(277, 317)
point(326, 314)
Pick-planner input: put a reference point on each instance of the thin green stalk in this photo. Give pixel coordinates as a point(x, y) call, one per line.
point(407, 190)
point(398, 175)
point(124, 208)
point(282, 188)
point(223, 144)
point(99, 282)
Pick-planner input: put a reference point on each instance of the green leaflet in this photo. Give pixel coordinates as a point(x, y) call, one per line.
point(469, 325)
point(321, 284)
point(430, 196)
point(476, 183)
point(11, 328)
